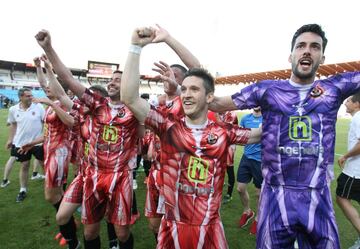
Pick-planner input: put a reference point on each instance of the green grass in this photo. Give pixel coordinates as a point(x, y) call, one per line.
point(31, 224)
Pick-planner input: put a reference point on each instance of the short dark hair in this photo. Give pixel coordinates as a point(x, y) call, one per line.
point(23, 90)
point(356, 97)
point(182, 69)
point(100, 89)
point(208, 79)
point(313, 28)
point(145, 96)
point(117, 71)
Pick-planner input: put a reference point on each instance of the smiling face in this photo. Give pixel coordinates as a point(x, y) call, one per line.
point(306, 57)
point(351, 105)
point(113, 87)
point(194, 99)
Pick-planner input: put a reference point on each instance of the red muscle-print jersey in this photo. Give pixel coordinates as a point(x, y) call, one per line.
point(56, 133)
point(193, 163)
point(145, 141)
point(83, 135)
point(113, 134)
point(230, 118)
point(171, 107)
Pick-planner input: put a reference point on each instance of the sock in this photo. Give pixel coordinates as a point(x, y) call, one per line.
point(92, 244)
point(57, 205)
point(156, 234)
point(68, 231)
point(111, 235)
point(35, 173)
point(147, 166)
point(134, 209)
point(129, 244)
point(231, 180)
point(22, 190)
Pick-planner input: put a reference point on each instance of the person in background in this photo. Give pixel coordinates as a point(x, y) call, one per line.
point(250, 169)
point(26, 124)
point(348, 182)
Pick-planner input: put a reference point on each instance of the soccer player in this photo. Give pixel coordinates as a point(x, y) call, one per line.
point(194, 158)
point(348, 183)
point(250, 169)
point(169, 104)
point(299, 117)
point(112, 154)
point(26, 124)
point(231, 118)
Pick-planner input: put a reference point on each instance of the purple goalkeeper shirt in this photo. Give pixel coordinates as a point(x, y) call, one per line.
point(299, 125)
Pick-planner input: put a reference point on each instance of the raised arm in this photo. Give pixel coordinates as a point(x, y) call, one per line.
point(40, 73)
point(67, 79)
point(66, 118)
point(55, 86)
point(222, 104)
point(162, 35)
point(168, 78)
point(131, 75)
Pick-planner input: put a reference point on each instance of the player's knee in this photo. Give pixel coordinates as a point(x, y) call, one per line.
point(339, 200)
point(90, 235)
point(241, 188)
point(61, 218)
point(123, 235)
point(154, 228)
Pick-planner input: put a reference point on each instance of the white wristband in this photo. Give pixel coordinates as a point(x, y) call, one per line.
point(135, 49)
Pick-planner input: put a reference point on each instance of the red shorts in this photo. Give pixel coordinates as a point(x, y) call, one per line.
point(56, 167)
point(184, 236)
point(152, 194)
point(109, 193)
point(74, 192)
point(76, 146)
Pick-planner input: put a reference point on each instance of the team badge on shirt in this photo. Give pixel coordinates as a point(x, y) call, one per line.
point(198, 169)
point(317, 91)
point(212, 138)
point(110, 134)
point(121, 113)
point(170, 104)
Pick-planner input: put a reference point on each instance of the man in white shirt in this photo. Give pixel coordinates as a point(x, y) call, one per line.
point(26, 124)
point(348, 183)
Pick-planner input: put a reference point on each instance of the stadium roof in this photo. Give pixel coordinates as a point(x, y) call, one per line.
point(324, 70)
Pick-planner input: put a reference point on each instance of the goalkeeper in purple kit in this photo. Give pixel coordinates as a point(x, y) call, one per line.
point(299, 118)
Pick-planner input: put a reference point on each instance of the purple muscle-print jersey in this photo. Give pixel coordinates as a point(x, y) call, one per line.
point(298, 127)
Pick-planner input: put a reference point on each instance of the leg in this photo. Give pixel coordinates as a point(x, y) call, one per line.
point(8, 167)
point(37, 165)
point(350, 212)
point(24, 175)
point(111, 235)
point(231, 179)
point(126, 239)
point(91, 236)
point(244, 196)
